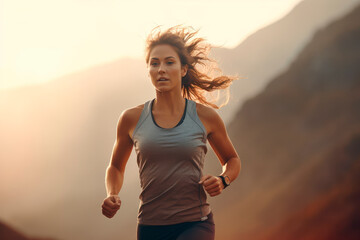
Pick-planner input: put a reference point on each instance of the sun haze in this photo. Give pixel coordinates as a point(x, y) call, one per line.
point(42, 40)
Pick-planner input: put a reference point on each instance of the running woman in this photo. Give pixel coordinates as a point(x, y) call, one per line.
point(169, 133)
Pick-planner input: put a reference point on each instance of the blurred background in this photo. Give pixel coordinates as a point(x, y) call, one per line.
point(69, 68)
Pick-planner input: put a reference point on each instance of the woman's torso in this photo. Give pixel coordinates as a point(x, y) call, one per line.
point(170, 156)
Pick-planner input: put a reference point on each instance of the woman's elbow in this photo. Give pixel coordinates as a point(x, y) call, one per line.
point(237, 165)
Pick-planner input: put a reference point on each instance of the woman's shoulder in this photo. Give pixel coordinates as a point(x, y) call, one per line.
point(206, 112)
point(208, 116)
point(131, 116)
point(133, 113)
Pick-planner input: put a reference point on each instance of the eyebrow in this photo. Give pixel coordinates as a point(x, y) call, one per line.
point(165, 58)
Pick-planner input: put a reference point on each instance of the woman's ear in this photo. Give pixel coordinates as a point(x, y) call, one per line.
point(184, 70)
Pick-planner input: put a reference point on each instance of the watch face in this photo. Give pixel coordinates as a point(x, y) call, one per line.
point(227, 180)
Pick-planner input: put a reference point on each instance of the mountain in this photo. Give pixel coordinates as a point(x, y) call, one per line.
point(299, 141)
point(56, 141)
point(270, 50)
point(9, 233)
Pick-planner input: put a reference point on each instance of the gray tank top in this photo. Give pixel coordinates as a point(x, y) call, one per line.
point(170, 162)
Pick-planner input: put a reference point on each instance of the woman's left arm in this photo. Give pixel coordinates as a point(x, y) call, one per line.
point(225, 151)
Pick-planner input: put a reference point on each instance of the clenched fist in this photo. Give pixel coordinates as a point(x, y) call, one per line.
point(212, 184)
point(111, 205)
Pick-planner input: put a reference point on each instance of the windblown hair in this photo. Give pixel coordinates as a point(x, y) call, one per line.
point(192, 53)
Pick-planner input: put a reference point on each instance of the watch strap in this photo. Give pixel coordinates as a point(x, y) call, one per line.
point(224, 182)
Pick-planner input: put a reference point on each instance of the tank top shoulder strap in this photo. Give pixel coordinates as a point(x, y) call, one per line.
point(144, 114)
point(195, 117)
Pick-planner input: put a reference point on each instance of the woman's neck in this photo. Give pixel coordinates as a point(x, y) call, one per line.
point(168, 103)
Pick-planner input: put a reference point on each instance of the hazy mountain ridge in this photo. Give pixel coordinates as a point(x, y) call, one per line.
point(298, 141)
point(270, 50)
point(57, 130)
point(9, 233)
point(336, 208)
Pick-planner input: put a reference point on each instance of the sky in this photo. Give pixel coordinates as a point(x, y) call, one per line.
point(41, 40)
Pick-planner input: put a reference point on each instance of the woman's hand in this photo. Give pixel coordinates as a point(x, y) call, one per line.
point(212, 184)
point(111, 205)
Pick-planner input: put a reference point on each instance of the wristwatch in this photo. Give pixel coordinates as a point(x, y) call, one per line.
point(226, 180)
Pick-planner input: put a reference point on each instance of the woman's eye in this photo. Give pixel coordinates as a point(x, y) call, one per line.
point(155, 63)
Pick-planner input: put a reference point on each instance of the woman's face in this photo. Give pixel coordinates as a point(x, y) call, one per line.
point(165, 68)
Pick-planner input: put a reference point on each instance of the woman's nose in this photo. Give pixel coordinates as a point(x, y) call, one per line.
point(161, 68)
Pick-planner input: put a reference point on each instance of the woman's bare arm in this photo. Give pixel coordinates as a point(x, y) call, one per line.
point(121, 152)
point(223, 148)
point(115, 171)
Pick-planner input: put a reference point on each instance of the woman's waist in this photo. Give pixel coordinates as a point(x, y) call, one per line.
point(160, 213)
point(179, 189)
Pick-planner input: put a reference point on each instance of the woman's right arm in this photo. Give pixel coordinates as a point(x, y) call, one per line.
point(115, 171)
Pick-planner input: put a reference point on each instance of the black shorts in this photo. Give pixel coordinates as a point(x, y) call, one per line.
point(199, 230)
